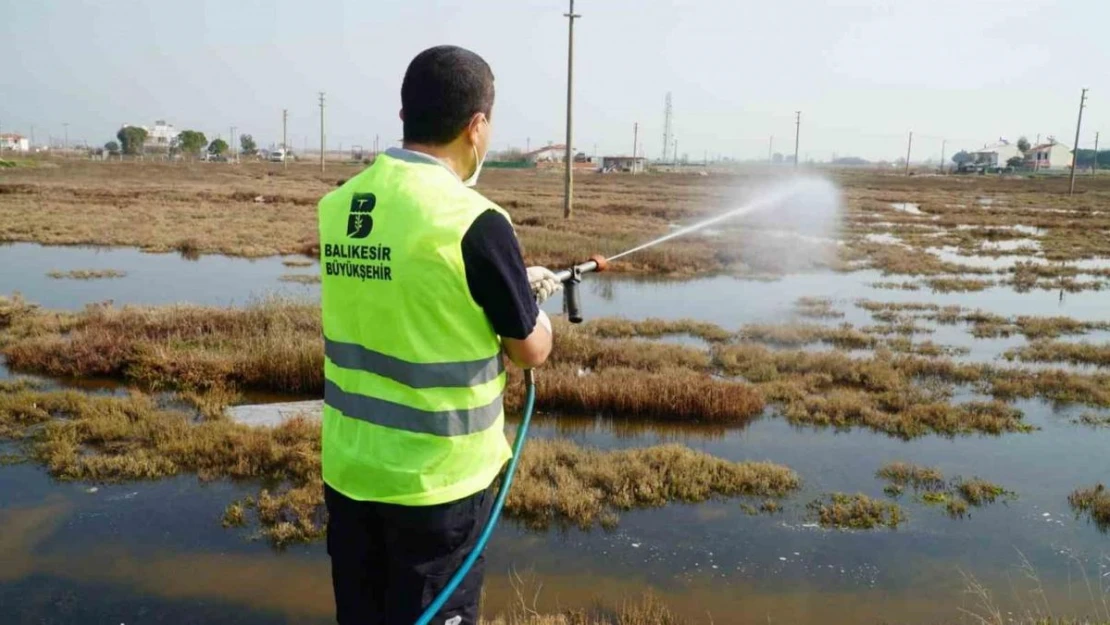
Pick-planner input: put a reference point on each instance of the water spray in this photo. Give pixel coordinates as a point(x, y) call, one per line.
point(571, 278)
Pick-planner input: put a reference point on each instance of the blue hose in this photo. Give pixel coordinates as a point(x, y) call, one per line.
point(495, 513)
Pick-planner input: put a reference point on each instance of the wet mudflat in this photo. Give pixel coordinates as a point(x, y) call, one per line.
point(155, 551)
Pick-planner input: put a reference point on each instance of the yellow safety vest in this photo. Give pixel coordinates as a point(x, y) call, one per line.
point(413, 370)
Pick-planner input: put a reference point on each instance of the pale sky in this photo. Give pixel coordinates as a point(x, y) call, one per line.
point(863, 72)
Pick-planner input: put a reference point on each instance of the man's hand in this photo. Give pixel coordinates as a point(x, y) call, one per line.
point(543, 282)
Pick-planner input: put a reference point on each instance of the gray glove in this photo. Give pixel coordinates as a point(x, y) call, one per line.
point(543, 282)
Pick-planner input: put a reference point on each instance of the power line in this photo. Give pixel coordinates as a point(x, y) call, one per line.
point(568, 179)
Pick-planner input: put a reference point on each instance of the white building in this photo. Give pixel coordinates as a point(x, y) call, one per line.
point(547, 154)
point(1049, 156)
point(14, 142)
point(161, 135)
point(995, 155)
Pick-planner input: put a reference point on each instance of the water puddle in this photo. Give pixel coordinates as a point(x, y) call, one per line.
point(120, 551)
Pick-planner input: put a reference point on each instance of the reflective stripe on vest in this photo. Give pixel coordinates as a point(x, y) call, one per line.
point(414, 378)
point(416, 375)
point(453, 422)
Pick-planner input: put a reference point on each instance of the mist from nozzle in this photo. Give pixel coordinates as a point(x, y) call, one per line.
point(786, 226)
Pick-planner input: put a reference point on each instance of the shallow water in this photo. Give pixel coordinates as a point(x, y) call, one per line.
point(155, 552)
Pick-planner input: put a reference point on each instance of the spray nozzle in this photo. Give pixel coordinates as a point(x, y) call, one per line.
point(571, 278)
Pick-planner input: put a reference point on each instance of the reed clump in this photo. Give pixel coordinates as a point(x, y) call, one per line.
point(1094, 502)
point(87, 274)
point(917, 477)
point(857, 512)
point(616, 327)
point(1062, 351)
point(647, 610)
point(816, 308)
point(559, 482)
point(300, 278)
point(930, 486)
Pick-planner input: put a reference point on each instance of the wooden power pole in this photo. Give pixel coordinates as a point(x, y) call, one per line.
point(568, 178)
point(323, 148)
point(285, 138)
point(909, 146)
point(1075, 146)
point(636, 146)
point(797, 135)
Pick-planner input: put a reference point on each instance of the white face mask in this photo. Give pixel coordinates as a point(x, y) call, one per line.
point(473, 179)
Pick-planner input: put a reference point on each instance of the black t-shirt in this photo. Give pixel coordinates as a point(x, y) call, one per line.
point(497, 277)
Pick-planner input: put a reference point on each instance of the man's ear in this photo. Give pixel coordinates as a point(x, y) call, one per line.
point(474, 128)
point(401, 114)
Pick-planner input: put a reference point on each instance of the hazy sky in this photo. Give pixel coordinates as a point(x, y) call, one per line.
point(863, 72)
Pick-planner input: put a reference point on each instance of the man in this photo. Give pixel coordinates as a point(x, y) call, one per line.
point(423, 290)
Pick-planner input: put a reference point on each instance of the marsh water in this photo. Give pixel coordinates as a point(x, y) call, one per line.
point(155, 551)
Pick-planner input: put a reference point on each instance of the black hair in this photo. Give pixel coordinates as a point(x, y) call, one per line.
point(443, 88)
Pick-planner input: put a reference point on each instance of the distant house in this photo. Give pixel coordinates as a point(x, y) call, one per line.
point(1048, 156)
point(547, 154)
point(995, 155)
point(161, 135)
point(628, 164)
point(14, 142)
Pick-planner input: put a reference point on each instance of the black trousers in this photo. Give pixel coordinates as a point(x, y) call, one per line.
point(389, 562)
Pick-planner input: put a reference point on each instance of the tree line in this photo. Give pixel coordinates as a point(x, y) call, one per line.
point(131, 140)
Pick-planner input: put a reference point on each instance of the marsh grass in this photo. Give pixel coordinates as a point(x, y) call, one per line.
point(1094, 420)
point(816, 308)
point(110, 439)
point(559, 482)
point(298, 262)
point(87, 274)
point(616, 327)
point(982, 324)
point(958, 285)
point(1062, 351)
point(300, 278)
point(647, 610)
point(857, 512)
point(932, 489)
point(1094, 502)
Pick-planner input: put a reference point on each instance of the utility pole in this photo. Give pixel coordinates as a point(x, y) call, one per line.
point(636, 144)
point(797, 135)
point(1075, 146)
point(1095, 168)
point(568, 179)
point(909, 146)
point(527, 145)
point(33, 141)
point(65, 125)
point(322, 146)
point(285, 138)
point(676, 152)
point(668, 111)
point(943, 145)
point(770, 150)
point(234, 151)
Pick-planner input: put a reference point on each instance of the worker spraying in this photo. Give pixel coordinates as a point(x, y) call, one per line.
point(423, 289)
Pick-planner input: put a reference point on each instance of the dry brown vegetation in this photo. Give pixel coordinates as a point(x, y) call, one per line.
point(616, 327)
point(86, 274)
point(981, 324)
point(558, 481)
point(930, 486)
point(275, 345)
point(858, 512)
point(1095, 502)
point(1062, 351)
point(648, 610)
point(301, 278)
point(100, 438)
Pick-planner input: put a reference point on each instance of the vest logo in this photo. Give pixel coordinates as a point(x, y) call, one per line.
point(360, 223)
